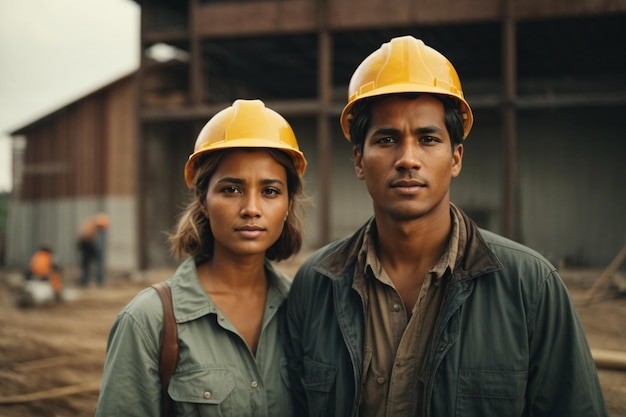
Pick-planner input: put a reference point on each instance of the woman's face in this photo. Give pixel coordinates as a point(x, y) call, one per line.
point(247, 203)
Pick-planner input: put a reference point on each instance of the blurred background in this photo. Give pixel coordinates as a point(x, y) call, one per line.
point(102, 100)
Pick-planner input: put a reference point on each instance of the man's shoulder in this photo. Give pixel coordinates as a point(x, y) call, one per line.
point(322, 256)
point(510, 252)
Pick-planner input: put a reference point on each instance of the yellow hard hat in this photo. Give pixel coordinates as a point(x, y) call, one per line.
point(405, 65)
point(245, 124)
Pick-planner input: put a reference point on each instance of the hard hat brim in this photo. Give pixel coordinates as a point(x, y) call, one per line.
point(468, 118)
point(298, 158)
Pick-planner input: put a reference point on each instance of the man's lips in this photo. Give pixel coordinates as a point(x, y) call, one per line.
point(407, 183)
point(408, 186)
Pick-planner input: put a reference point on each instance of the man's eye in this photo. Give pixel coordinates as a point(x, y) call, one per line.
point(386, 139)
point(429, 139)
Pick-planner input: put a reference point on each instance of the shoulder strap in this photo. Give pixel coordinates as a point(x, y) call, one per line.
point(169, 344)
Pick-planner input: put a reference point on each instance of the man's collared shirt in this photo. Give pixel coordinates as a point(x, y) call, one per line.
point(397, 343)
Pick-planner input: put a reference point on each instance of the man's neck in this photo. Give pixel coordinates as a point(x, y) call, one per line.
point(418, 241)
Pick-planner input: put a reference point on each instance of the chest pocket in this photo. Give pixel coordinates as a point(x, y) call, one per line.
point(318, 380)
point(207, 391)
point(491, 393)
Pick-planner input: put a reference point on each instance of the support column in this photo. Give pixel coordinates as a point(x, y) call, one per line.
point(324, 139)
point(509, 120)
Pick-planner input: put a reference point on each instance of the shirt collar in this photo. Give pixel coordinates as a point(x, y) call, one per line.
point(191, 300)
point(371, 264)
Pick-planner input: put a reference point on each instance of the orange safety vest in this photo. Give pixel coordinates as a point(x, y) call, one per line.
point(41, 266)
point(41, 263)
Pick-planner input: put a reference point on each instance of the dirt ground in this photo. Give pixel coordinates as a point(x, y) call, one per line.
point(51, 356)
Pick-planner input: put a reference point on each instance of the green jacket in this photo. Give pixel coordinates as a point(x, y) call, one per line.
point(509, 342)
point(216, 374)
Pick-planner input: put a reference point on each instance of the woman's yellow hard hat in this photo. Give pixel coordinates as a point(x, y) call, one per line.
point(245, 124)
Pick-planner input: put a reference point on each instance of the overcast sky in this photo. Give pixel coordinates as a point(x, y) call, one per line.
point(53, 52)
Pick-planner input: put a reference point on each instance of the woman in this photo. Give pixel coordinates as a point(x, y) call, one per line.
point(246, 174)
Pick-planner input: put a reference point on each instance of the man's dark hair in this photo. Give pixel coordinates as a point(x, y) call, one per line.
point(362, 115)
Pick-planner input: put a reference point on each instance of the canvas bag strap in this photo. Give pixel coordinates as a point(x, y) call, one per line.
point(169, 344)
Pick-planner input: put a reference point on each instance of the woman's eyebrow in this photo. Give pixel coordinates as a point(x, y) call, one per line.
point(239, 181)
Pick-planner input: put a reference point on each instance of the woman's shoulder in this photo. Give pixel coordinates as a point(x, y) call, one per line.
point(146, 309)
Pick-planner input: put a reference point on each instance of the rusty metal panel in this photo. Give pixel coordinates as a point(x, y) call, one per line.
point(551, 8)
point(255, 17)
point(82, 149)
point(121, 169)
point(383, 13)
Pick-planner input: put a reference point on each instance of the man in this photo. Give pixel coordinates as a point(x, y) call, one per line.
point(420, 313)
point(91, 245)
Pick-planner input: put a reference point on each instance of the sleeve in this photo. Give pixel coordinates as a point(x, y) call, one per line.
point(563, 380)
point(130, 382)
point(293, 344)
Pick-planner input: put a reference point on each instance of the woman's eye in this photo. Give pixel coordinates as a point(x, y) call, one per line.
point(271, 191)
point(231, 189)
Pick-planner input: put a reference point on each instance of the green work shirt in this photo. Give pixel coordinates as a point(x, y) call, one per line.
point(216, 373)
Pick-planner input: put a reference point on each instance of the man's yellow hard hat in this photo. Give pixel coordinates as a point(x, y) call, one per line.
point(405, 65)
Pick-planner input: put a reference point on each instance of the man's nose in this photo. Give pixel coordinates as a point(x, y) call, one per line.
point(408, 156)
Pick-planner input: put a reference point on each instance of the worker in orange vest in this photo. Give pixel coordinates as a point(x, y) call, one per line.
point(43, 266)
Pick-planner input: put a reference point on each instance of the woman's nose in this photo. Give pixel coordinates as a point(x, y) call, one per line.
point(250, 207)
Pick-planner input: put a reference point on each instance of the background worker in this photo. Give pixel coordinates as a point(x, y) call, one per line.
point(420, 312)
point(44, 267)
point(102, 225)
point(92, 246)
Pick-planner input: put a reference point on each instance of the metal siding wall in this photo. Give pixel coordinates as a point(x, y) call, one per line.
point(351, 205)
point(121, 151)
point(572, 177)
point(478, 188)
point(305, 130)
point(168, 146)
point(71, 163)
point(351, 202)
point(58, 223)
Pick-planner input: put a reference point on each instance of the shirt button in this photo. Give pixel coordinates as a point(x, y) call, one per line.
point(254, 384)
point(380, 380)
point(396, 307)
point(207, 394)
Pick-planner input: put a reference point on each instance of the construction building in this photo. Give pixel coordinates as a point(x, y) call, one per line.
point(546, 80)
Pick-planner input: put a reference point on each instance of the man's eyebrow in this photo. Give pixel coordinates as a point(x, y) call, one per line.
point(429, 129)
point(385, 131)
point(420, 130)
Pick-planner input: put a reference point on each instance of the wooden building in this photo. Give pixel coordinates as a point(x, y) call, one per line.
point(546, 80)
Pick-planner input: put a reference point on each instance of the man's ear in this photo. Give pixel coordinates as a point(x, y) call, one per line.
point(457, 160)
point(358, 168)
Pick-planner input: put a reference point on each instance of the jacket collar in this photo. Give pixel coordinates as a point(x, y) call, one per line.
point(474, 257)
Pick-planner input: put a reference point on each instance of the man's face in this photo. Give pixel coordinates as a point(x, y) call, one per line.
point(407, 160)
